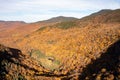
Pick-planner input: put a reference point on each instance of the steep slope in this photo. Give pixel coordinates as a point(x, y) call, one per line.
point(104, 16)
point(14, 65)
point(106, 67)
point(101, 65)
point(77, 46)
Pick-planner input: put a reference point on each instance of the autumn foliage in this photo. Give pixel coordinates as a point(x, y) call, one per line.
point(63, 50)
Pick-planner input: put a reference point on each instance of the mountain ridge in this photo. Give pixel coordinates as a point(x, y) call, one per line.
point(59, 19)
point(104, 16)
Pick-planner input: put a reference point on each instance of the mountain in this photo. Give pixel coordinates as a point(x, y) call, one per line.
point(82, 49)
point(104, 16)
point(9, 24)
point(10, 31)
point(59, 19)
point(8, 27)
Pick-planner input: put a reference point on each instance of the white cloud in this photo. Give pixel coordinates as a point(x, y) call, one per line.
point(39, 17)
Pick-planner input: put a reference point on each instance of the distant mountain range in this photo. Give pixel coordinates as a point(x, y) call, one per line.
point(8, 28)
point(105, 15)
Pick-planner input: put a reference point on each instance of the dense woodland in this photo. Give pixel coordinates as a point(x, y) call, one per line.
point(62, 48)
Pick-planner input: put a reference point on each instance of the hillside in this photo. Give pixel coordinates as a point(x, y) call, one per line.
point(4, 25)
point(59, 19)
point(11, 31)
point(16, 66)
point(103, 16)
point(75, 46)
point(84, 49)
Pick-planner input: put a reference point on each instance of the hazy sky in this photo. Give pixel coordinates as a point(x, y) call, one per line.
point(36, 10)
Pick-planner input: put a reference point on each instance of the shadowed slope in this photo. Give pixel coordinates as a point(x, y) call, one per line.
point(106, 67)
point(15, 65)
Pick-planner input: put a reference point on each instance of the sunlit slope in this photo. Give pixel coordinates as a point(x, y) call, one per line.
point(75, 46)
point(11, 31)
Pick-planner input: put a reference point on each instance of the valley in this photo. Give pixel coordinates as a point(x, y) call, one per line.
point(62, 48)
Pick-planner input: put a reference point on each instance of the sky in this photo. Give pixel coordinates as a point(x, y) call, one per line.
point(37, 10)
